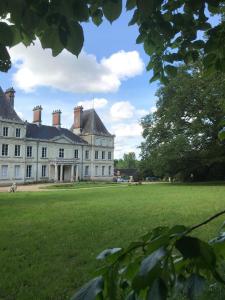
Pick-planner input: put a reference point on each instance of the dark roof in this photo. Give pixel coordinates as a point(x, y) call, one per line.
point(92, 124)
point(44, 132)
point(7, 112)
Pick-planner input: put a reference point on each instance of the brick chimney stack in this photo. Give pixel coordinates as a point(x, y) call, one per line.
point(10, 95)
point(77, 125)
point(56, 118)
point(37, 115)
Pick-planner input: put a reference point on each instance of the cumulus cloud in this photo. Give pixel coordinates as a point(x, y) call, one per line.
point(96, 103)
point(122, 110)
point(36, 67)
point(127, 130)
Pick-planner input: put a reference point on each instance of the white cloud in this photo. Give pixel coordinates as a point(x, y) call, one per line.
point(153, 109)
point(36, 67)
point(96, 103)
point(122, 110)
point(127, 130)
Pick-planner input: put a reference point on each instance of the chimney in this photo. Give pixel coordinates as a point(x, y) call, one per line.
point(77, 125)
point(10, 95)
point(56, 118)
point(37, 115)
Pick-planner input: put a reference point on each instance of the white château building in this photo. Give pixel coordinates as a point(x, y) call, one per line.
point(33, 152)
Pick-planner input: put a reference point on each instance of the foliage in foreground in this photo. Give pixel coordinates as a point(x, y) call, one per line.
point(163, 264)
point(169, 30)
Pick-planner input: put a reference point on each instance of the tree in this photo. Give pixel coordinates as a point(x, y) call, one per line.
point(181, 137)
point(129, 161)
point(171, 31)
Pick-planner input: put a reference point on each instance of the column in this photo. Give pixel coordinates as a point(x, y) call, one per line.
point(49, 172)
point(77, 175)
point(56, 173)
point(72, 173)
point(61, 173)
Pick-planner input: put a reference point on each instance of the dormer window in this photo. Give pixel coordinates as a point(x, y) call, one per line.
point(5, 131)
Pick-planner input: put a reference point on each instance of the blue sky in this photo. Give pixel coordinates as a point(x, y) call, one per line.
point(110, 70)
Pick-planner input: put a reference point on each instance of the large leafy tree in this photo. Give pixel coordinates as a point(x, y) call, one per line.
point(170, 30)
point(129, 161)
point(181, 137)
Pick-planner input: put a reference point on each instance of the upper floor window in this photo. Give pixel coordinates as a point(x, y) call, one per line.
point(29, 171)
point(86, 154)
point(29, 151)
point(96, 154)
point(5, 131)
point(5, 149)
point(17, 150)
point(44, 171)
point(109, 155)
point(103, 154)
point(61, 152)
point(4, 171)
point(44, 152)
point(18, 132)
point(76, 153)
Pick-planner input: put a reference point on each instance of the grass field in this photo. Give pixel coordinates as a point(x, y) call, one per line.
point(49, 240)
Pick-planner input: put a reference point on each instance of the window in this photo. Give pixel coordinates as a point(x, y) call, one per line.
point(43, 171)
point(110, 170)
point(5, 149)
point(17, 171)
point(29, 151)
point(61, 152)
point(96, 154)
point(29, 171)
point(86, 170)
point(103, 154)
point(4, 171)
point(17, 150)
point(103, 170)
point(18, 132)
point(76, 153)
point(44, 152)
point(5, 131)
point(109, 155)
point(86, 154)
point(96, 170)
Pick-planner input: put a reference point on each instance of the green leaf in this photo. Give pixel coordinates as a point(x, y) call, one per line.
point(131, 4)
point(97, 17)
point(75, 38)
point(158, 290)
point(171, 70)
point(50, 39)
point(5, 62)
point(90, 290)
point(112, 9)
point(222, 135)
point(108, 252)
point(6, 34)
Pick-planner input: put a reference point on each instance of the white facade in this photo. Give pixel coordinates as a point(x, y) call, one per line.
point(24, 159)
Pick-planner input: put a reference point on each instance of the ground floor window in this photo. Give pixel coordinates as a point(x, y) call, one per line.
point(4, 171)
point(103, 170)
point(96, 170)
point(29, 171)
point(44, 171)
point(17, 171)
point(86, 171)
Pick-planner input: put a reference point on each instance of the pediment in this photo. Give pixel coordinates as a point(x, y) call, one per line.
point(62, 140)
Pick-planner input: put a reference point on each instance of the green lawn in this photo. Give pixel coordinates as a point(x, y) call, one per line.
point(49, 240)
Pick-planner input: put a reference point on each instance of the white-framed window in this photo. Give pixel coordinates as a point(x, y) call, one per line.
point(110, 155)
point(103, 170)
point(17, 171)
point(4, 171)
point(61, 152)
point(17, 150)
point(43, 171)
point(29, 151)
point(76, 153)
point(5, 149)
point(44, 152)
point(29, 171)
point(103, 154)
point(110, 170)
point(18, 132)
point(96, 170)
point(96, 154)
point(86, 154)
point(5, 131)
point(86, 170)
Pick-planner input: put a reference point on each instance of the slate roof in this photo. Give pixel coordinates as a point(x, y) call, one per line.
point(92, 124)
point(44, 132)
point(7, 112)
